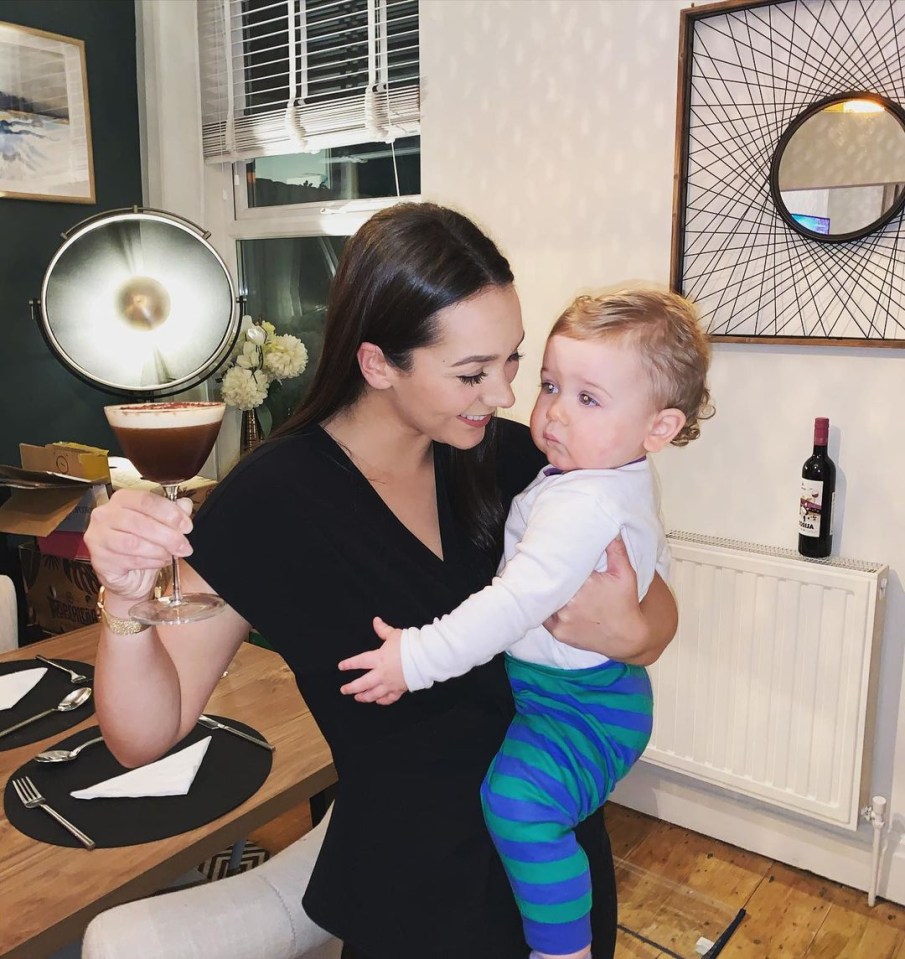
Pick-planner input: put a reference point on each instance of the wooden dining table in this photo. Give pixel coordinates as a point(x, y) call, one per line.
point(48, 894)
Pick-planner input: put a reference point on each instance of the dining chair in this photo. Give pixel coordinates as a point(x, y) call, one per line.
point(248, 916)
point(9, 617)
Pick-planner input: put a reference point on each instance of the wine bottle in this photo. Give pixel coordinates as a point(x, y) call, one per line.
point(818, 492)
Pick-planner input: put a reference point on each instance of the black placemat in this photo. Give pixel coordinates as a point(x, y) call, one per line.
point(51, 688)
point(232, 770)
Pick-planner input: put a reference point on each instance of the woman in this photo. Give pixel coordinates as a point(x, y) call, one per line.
point(385, 494)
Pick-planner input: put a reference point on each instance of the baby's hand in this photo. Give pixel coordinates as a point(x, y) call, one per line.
point(384, 682)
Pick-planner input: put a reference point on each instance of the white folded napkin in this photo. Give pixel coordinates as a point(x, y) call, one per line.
point(170, 776)
point(13, 686)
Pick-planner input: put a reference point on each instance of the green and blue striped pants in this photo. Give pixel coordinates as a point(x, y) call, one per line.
point(575, 735)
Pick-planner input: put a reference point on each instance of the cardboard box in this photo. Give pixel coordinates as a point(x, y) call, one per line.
point(67, 459)
point(61, 593)
point(123, 475)
point(56, 487)
point(63, 543)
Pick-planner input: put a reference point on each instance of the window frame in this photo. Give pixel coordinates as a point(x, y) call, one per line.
point(309, 214)
point(330, 218)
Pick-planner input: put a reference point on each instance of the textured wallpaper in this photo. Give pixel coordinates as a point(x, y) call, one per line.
point(552, 122)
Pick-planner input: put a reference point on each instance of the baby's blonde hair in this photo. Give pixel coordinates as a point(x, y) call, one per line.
point(663, 327)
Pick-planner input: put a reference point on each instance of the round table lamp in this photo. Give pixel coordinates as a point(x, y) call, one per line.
point(137, 302)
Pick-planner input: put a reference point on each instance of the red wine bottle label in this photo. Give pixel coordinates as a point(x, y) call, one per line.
point(811, 507)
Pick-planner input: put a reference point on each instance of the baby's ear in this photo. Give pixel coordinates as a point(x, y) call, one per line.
point(664, 429)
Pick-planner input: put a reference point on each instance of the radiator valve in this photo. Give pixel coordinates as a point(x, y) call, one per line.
point(874, 812)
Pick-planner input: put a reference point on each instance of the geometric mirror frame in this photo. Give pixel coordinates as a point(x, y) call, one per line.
point(789, 119)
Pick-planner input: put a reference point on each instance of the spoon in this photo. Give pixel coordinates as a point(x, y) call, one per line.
point(64, 755)
point(70, 701)
point(73, 675)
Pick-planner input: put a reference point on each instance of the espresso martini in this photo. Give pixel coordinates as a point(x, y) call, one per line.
point(168, 443)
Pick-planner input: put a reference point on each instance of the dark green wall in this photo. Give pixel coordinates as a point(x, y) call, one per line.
point(40, 401)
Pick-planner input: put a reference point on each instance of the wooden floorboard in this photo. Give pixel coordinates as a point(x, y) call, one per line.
point(791, 914)
point(705, 865)
point(784, 914)
point(853, 936)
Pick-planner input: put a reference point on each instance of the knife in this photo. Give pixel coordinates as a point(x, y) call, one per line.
point(216, 724)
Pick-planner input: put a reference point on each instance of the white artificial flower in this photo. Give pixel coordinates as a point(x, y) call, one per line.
point(250, 357)
point(285, 356)
point(244, 389)
point(262, 358)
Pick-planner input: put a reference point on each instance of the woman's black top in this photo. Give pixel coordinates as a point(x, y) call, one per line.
point(299, 543)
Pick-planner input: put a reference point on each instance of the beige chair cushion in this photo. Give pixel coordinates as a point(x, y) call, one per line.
point(9, 625)
point(253, 915)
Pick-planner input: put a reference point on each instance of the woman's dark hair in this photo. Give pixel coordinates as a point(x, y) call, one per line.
point(402, 267)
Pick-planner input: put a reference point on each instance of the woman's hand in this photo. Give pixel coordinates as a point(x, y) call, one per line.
point(133, 537)
point(605, 617)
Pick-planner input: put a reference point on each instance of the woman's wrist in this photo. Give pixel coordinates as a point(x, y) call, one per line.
point(633, 642)
point(113, 612)
point(635, 636)
point(658, 620)
point(640, 648)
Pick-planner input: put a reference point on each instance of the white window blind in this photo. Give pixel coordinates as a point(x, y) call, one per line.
point(295, 76)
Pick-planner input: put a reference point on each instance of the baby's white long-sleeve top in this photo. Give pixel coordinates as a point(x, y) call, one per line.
point(556, 535)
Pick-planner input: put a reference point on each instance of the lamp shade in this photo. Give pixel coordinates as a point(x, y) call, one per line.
point(138, 302)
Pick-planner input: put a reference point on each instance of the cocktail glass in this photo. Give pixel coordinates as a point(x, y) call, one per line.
point(168, 443)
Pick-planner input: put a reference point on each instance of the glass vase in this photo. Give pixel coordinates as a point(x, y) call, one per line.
point(251, 434)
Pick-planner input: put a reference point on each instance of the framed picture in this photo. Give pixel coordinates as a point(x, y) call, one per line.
point(45, 130)
point(790, 175)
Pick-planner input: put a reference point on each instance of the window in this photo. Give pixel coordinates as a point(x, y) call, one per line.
point(286, 281)
point(313, 106)
point(364, 171)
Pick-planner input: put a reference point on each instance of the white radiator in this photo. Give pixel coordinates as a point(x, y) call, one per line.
point(768, 688)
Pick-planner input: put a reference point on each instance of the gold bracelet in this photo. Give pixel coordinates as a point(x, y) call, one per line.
point(121, 627)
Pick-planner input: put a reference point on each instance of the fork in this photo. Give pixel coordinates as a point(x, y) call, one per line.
point(74, 676)
point(31, 798)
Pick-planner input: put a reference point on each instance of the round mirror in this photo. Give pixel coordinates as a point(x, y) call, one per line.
point(839, 170)
point(139, 303)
